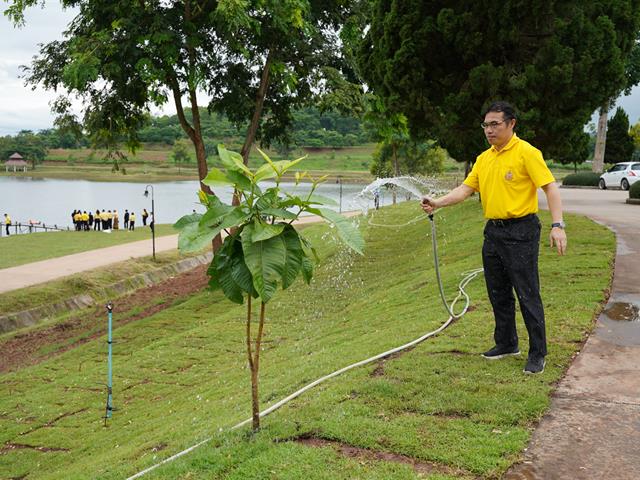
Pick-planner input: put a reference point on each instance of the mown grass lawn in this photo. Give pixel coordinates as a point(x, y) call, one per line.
point(33, 247)
point(181, 375)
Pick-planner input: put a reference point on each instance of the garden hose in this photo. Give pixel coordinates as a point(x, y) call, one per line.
point(467, 277)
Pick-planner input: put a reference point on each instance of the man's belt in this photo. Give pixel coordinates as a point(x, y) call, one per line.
point(499, 222)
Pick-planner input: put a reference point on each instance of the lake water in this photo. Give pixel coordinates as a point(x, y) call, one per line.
point(51, 201)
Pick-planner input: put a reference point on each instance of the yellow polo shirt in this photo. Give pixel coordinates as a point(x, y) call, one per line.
point(508, 179)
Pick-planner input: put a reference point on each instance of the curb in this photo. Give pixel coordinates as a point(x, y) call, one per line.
point(633, 201)
point(583, 187)
point(33, 316)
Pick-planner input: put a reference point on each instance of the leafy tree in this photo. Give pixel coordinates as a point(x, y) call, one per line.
point(180, 154)
point(422, 158)
point(390, 130)
point(635, 135)
point(262, 249)
point(26, 143)
point(440, 63)
point(255, 60)
point(632, 77)
point(620, 143)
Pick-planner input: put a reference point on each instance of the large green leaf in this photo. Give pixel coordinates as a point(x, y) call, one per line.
point(241, 181)
point(293, 255)
point(279, 213)
point(320, 200)
point(230, 288)
point(235, 218)
point(215, 213)
point(307, 269)
point(264, 231)
point(268, 199)
point(222, 267)
point(265, 172)
point(265, 260)
point(242, 275)
point(232, 161)
point(194, 237)
point(346, 229)
point(280, 167)
point(186, 220)
point(308, 247)
point(223, 216)
point(216, 177)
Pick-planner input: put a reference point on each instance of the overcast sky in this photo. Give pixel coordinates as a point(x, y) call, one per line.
point(24, 109)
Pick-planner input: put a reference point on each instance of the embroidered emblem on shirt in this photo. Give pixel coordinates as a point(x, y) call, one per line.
point(509, 176)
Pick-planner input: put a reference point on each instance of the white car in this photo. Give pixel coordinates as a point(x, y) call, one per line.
point(621, 175)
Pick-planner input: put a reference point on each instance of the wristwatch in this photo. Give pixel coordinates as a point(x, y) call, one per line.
point(558, 224)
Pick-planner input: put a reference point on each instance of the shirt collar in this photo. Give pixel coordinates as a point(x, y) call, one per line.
point(510, 144)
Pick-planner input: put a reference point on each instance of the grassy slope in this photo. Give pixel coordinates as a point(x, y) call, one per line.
point(181, 374)
point(20, 249)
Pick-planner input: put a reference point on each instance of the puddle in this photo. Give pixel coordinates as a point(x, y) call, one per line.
point(622, 311)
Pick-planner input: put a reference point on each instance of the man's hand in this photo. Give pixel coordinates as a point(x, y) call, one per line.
point(558, 237)
point(428, 205)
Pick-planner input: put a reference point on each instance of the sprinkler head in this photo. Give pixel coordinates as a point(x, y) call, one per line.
point(109, 306)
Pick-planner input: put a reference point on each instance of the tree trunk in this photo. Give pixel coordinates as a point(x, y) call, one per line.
point(255, 119)
point(601, 139)
point(254, 362)
point(257, 111)
point(396, 169)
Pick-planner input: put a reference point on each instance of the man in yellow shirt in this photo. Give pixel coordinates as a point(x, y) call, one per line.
point(7, 223)
point(507, 175)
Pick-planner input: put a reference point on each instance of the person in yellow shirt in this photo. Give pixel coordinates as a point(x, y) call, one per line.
point(104, 218)
point(132, 221)
point(7, 223)
point(507, 175)
point(77, 219)
point(85, 221)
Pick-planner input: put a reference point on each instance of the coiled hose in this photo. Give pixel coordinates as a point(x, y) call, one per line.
point(468, 276)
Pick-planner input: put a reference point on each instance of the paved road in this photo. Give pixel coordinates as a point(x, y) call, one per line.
point(592, 430)
point(47, 270)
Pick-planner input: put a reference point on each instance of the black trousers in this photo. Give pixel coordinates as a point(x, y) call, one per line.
point(510, 260)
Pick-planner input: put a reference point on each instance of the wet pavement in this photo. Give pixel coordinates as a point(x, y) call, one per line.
point(592, 429)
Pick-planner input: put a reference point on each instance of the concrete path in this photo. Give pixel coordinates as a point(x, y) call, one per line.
point(592, 430)
point(53, 269)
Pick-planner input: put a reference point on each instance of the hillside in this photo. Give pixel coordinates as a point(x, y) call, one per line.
point(180, 373)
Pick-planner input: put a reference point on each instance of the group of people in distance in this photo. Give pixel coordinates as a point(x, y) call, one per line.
point(107, 220)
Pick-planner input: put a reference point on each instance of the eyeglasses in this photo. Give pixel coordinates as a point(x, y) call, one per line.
point(486, 125)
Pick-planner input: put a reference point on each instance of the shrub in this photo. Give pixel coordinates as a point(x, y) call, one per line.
point(634, 191)
point(586, 179)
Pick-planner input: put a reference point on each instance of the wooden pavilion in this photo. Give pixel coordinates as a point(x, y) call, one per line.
point(16, 162)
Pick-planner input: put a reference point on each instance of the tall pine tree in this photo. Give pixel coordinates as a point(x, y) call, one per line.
point(619, 142)
point(441, 62)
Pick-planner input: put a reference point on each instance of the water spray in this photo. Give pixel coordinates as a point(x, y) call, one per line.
point(467, 277)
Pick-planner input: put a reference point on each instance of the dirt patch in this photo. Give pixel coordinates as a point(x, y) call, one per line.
point(55, 420)
point(159, 447)
point(420, 467)
point(379, 370)
point(8, 447)
point(25, 349)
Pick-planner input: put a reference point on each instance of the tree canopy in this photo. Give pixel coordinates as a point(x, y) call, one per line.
point(440, 63)
point(255, 60)
point(31, 146)
point(620, 145)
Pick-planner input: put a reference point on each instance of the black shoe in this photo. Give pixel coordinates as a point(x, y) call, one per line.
point(534, 365)
point(500, 352)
